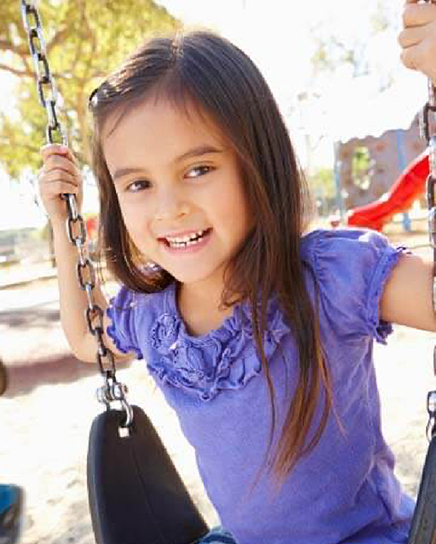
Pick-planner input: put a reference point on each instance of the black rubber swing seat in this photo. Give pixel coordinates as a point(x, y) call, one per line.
point(423, 530)
point(135, 493)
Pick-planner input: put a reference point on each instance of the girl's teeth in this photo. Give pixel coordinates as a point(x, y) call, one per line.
point(186, 241)
point(184, 244)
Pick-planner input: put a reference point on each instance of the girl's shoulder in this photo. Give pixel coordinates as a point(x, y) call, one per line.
point(348, 269)
point(130, 312)
point(325, 244)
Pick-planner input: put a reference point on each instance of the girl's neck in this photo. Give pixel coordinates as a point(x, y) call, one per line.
point(199, 308)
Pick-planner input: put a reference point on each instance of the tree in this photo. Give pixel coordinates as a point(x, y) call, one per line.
point(356, 46)
point(85, 40)
point(322, 185)
point(347, 41)
point(322, 182)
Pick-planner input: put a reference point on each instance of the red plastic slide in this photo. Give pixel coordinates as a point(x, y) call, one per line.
point(405, 190)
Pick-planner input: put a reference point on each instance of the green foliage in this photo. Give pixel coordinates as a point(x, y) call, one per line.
point(331, 52)
point(361, 166)
point(85, 40)
point(322, 183)
point(323, 188)
point(384, 16)
point(339, 46)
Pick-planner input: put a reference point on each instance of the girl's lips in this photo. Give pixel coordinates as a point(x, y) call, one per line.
point(194, 248)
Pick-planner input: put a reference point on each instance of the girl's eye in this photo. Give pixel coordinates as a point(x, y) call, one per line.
point(199, 171)
point(137, 186)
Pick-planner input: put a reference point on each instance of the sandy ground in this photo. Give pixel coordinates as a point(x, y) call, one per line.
point(47, 413)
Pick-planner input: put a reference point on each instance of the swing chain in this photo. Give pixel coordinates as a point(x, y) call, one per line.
point(46, 86)
point(112, 390)
point(428, 132)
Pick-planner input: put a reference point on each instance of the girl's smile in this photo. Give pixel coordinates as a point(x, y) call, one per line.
point(187, 243)
point(179, 188)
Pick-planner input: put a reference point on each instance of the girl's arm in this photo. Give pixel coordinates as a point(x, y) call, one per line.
point(59, 175)
point(407, 297)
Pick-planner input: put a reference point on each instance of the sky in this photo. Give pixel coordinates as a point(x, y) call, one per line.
point(279, 35)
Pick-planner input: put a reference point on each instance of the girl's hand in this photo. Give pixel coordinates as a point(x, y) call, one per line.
point(418, 39)
point(60, 174)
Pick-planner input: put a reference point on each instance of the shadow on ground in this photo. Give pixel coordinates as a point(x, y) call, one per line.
point(24, 377)
point(29, 318)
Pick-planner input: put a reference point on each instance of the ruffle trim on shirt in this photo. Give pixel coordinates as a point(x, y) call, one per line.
point(224, 358)
point(111, 330)
point(381, 328)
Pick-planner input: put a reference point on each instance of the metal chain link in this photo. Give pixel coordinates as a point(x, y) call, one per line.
point(427, 131)
point(112, 390)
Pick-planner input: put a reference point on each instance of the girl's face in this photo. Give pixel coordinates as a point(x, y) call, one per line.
point(179, 188)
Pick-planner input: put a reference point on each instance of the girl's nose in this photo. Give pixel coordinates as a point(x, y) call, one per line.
point(170, 205)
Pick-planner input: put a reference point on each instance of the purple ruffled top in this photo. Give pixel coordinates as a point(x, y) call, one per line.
point(216, 361)
point(345, 490)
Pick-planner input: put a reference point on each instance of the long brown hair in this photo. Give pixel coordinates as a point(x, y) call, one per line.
point(204, 69)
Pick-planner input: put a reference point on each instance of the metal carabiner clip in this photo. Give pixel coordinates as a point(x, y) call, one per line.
point(431, 409)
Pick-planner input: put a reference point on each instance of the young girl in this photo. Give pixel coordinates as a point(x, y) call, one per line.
point(259, 335)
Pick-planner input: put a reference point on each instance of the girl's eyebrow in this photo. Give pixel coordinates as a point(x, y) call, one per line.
point(197, 152)
point(194, 152)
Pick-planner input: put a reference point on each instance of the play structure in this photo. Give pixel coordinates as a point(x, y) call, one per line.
point(391, 175)
point(409, 186)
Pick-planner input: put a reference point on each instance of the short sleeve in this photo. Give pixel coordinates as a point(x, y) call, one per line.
point(351, 268)
point(122, 329)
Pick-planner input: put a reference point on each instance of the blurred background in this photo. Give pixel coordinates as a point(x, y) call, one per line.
point(351, 110)
point(333, 66)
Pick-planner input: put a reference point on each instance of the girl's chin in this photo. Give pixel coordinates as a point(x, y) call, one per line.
point(188, 278)
point(196, 275)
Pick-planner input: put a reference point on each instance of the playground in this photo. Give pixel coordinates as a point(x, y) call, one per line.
point(47, 413)
point(50, 403)
point(380, 177)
